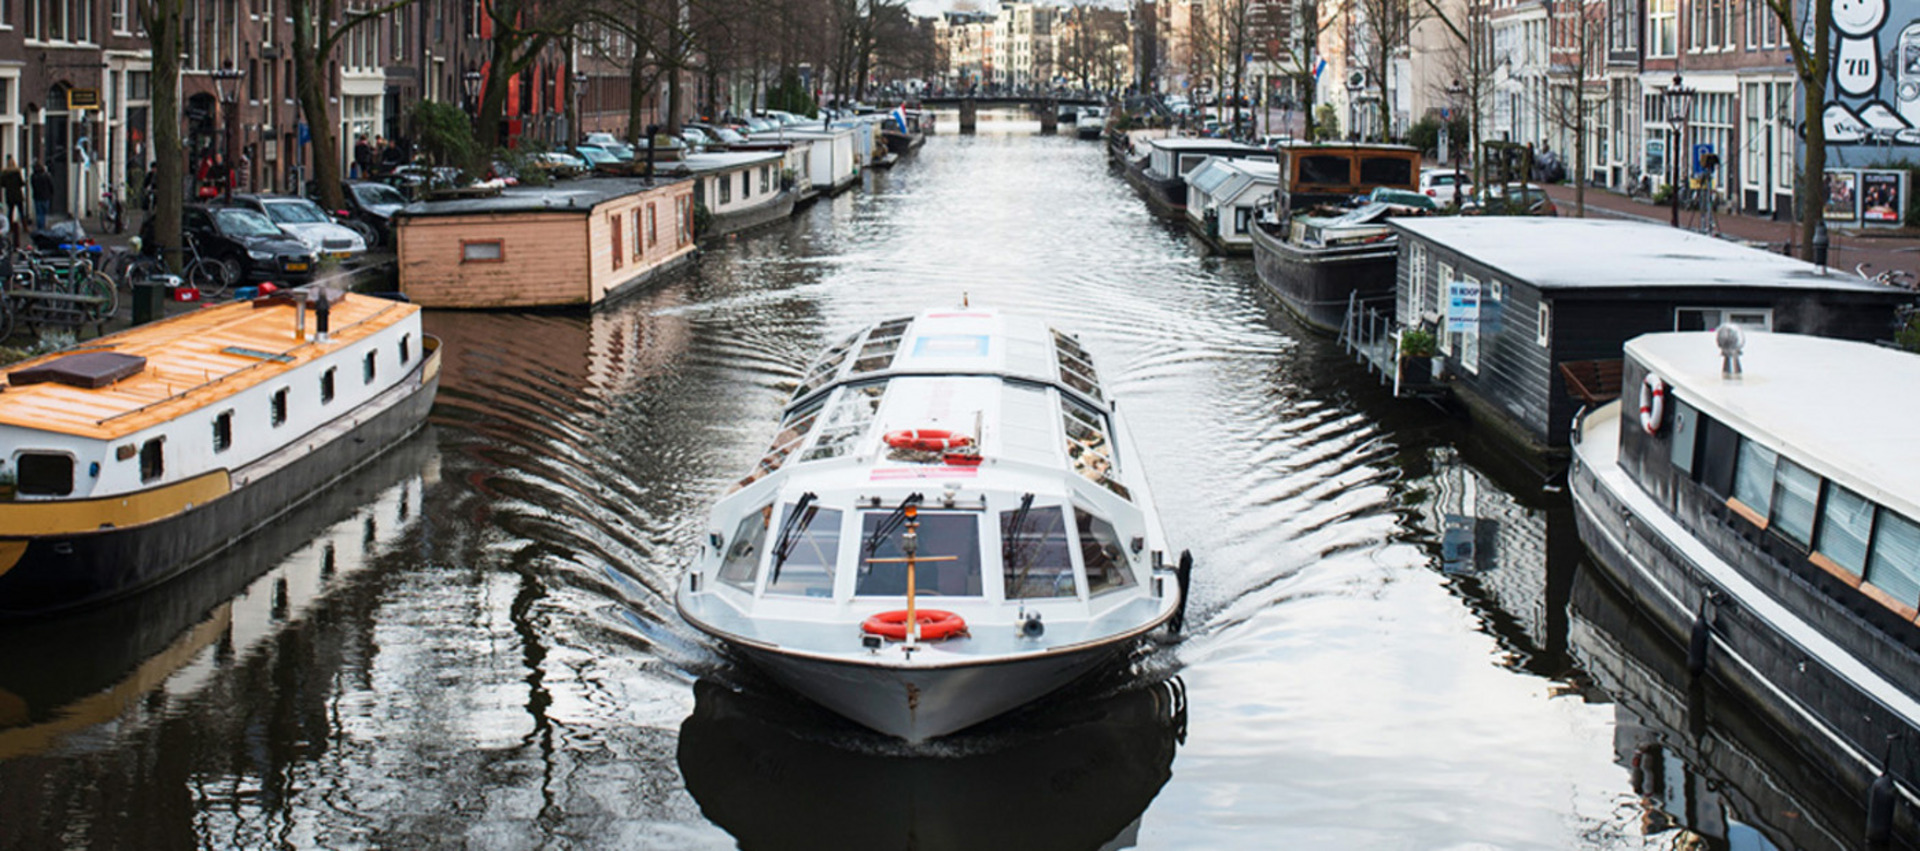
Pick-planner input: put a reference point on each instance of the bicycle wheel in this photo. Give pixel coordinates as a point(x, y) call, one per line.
point(211, 277)
point(366, 232)
point(6, 317)
point(98, 285)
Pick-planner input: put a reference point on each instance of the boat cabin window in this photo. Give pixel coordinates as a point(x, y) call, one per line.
point(1087, 444)
point(880, 347)
point(278, 404)
point(1796, 493)
point(1753, 478)
point(1076, 366)
point(1846, 525)
point(847, 421)
point(1325, 169)
point(803, 564)
point(1895, 565)
point(793, 432)
point(1102, 553)
point(1711, 318)
point(743, 549)
point(824, 369)
point(947, 564)
point(43, 474)
point(153, 459)
point(326, 385)
point(369, 368)
point(1386, 171)
point(406, 349)
point(1719, 454)
point(1036, 554)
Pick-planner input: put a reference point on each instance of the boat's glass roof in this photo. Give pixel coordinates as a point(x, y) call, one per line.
point(1076, 366)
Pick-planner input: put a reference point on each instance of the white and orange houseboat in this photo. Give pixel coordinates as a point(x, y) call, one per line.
point(141, 455)
point(952, 521)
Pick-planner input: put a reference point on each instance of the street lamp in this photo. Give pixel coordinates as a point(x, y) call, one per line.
point(470, 85)
point(1454, 91)
point(226, 85)
point(1679, 107)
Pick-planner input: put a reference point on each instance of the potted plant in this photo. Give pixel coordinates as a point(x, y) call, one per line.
point(1417, 348)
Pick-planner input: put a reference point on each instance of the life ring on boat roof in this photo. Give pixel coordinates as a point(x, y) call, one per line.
point(927, 439)
point(1653, 404)
point(934, 624)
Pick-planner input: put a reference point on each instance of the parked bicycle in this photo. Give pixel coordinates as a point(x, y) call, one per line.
point(56, 289)
point(210, 275)
point(1638, 185)
point(113, 214)
point(1891, 277)
point(129, 266)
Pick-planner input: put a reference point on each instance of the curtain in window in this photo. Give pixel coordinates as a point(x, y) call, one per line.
point(1844, 528)
point(1896, 558)
point(1753, 477)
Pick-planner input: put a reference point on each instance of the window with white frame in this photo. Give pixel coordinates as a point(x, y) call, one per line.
point(120, 19)
point(1417, 273)
point(1543, 325)
point(1663, 38)
point(1440, 283)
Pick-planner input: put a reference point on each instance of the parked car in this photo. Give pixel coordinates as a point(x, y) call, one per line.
point(558, 163)
point(249, 242)
point(1516, 199)
point(607, 142)
point(696, 138)
point(1400, 200)
point(717, 135)
point(373, 205)
point(1438, 183)
point(595, 157)
point(305, 221)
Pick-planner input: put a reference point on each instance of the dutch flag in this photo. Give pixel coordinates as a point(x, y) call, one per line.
point(900, 117)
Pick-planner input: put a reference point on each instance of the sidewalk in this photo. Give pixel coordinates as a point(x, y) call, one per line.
point(1878, 250)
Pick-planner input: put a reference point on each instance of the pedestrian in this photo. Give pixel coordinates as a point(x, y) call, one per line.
point(363, 157)
point(42, 194)
point(13, 184)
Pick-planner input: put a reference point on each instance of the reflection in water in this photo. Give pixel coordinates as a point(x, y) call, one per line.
point(1071, 774)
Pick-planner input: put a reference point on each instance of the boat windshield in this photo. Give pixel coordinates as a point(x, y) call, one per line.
point(1106, 560)
point(1037, 553)
point(743, 553)
point(812, 548)
point(948, 559)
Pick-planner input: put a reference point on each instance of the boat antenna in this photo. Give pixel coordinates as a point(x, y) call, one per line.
point(798, 521)
point(890, 524)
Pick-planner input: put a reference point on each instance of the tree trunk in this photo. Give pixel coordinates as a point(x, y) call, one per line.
point(636, 95)
point(311, 87)
point(169, 164)
point(1813, 177)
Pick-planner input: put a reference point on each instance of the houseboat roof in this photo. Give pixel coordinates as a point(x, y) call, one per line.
point(191, 361)
point(573, 196)
point(703, 163)
point(1308, 147)
point(1192, 145)
point(1219, 176)
point(1842, 409)
point(1576, 254)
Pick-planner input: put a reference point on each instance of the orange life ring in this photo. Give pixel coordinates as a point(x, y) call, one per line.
point(927, 439)
point(934, 624)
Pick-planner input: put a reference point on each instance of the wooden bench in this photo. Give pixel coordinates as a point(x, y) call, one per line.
point(1594, 382)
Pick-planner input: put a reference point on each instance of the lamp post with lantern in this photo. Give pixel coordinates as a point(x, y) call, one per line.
point(226, 86)
point(1454, 91)
point(1679, 107)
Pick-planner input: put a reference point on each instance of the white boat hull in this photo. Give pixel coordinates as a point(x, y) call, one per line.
point(920, 703)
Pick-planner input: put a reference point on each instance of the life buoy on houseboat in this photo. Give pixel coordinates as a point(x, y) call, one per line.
point(1653, 404)
point(934, 624)
point(927, 439)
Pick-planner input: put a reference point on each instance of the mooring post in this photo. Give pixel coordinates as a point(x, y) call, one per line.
point(1049, 117)
point(969, 115)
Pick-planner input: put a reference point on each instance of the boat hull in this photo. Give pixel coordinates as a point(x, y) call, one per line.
point(1166, 196)
point(1317, 284)
point(777, 208)
point(920, 703)
point(1796, 688)
point(51, 574)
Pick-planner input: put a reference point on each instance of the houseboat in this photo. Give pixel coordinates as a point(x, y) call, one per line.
point(795, 171)
point(142, 455)
point(1749, 493)
point(574, 244)
point(829, 161)
point(1222, 197)
point(1315, 252)
point(740, 189)
point(905, 131)
point(1162, 176)
point(951, 521)
point(1090, 123)
point(1543, 293)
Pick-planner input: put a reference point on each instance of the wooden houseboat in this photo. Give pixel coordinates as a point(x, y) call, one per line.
point(1162, 176)
point(1561, 291)
point(1316, 259)
point(1222, 196)
point(1749, 493)
point(577, 243)
point(140, 456)
point(829, 160)
point(741, 189)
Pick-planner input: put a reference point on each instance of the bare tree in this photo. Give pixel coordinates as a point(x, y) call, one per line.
point(163, 21)
point(1471, 65)
point(1386, 27)
point(1578, 36)
point(1811, 62)
point(521, 30)
point(318, 30)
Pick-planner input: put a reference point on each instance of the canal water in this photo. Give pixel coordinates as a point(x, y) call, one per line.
point(472, 643)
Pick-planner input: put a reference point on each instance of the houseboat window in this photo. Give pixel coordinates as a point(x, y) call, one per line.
point(1470, 338)
point(1719, 455)
point(683, 220)
point(1391, 171)
point(617, 233)
point(369, 368)
point(766, 179)
point(1325, 169)
point(1686, 435)
point(1101, 552)
point(746, 184)
point(847, 421)
point(1846, 525)
point(639, 245)
point(942, 536)
point(1710, 318)
point(726, 190)
point(279, 405)
point(1543, 325)
point(1796, 492)
point(1035, 556)
point(326, 385)
point(406, 349)
point(1895, 567)
point(153, 459)
point(1440, 283)
point(223, 431)
point(1190, 162)
point(482, 251)
point(1753, 478)
point(743, 553)
point(811, 551)
point(43, 474)
point(653, 230)
point(1417, 275)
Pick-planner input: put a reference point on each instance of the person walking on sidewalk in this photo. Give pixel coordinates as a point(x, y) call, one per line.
point(42, 194)
point(13, 185)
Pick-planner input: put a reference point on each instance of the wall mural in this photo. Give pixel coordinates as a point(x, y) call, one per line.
point(1874, 97)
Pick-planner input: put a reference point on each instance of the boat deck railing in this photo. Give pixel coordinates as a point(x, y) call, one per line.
point(1371, 334)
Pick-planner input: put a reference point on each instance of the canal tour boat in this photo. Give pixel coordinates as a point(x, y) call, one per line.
point(1763, 500)
point(951, 522)
point(146, 452)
